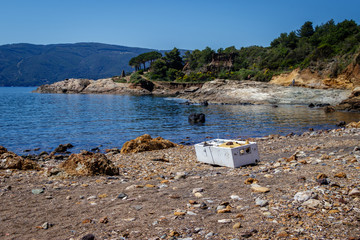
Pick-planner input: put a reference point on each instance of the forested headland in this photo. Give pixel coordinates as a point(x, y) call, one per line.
point(330, 45)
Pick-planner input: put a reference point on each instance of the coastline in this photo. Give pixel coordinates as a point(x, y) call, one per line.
point(251, 92)
point(161, 199)
point(217, 91)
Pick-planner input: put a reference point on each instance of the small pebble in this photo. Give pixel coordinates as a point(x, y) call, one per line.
point(260, 202)
point(224, 221)
point(37, 191)
point(236, 225)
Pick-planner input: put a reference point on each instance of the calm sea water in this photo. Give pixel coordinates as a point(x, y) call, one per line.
point(30, 120)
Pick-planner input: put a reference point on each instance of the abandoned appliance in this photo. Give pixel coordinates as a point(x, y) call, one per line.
point(228, 153)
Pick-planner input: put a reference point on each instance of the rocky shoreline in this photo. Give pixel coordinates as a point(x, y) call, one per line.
point(216, 92)
point(242, 92)
point(108, 86)
point(305, 187)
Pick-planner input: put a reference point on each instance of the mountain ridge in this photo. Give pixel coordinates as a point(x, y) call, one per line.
point(26, 64)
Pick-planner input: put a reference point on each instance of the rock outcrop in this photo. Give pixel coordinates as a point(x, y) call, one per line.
point(67, 86)
point(108, 86)
point(312, 79)
point(146, 143)
point(196, 118)
point(251, 92)
point(88, 164)
point(328, 78)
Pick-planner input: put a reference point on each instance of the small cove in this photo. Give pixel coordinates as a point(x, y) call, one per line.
point(32, 120)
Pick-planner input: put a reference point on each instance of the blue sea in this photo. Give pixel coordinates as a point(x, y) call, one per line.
point(32, 120)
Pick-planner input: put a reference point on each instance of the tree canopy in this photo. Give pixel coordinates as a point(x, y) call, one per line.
point(169, 67)
point(298, 48)
point(143, 58)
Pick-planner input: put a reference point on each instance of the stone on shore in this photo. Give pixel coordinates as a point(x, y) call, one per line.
point(340, 175)
point(354, 192)
point(251, 181)
point(236, 225)
point(257, 188)
point(37, 191)
point(303, 196)
point(88, 237)
point(260, 202)
point(312, 203)
point(224, 221)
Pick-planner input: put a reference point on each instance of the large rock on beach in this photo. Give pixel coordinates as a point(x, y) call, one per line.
point(88, 164)
point(146, 143)
point(9, 160)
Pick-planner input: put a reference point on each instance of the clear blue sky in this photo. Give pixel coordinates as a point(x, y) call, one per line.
point(164, 24)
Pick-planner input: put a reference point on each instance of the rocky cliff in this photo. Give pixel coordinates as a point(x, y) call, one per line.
point(327, 78)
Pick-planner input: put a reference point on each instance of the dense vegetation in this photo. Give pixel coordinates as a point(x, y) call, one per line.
point(305, 47)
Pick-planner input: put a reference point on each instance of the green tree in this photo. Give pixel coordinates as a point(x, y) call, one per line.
point(198, 58)
point(306, 30)
point(292, 40)
point(158, 69)
point(285, 40)
point(135, 63)
point(143, 58)
point(230, 50)
point(173, 59)
point(323, 34)
point(151, 56)
point(206, 55)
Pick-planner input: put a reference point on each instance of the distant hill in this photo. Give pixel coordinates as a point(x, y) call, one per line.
point(33, 65)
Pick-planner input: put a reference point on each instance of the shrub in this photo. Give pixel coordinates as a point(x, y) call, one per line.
point(196, 77)
point(242, 74)
point(172, 74)
point(118, 79)
point(135, 78)
point(323, 51)
point(263, 76)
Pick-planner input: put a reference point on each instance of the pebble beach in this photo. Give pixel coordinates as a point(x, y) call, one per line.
point(305, 187)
